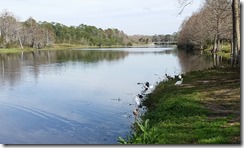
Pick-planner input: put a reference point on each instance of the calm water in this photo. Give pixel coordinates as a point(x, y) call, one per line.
point(79, 96)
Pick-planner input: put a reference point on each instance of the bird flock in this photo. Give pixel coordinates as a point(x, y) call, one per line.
point(147, 88)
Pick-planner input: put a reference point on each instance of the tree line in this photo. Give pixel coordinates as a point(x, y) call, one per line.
point(212, 25)
point(145, 39)
point(31, 33)
point(87, 35)
point(37, 34)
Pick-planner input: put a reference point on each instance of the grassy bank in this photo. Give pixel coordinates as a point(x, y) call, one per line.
point(15, 50)
point(55, 47)
point(205, 109)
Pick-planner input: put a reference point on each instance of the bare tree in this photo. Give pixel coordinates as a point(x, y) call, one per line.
point(35, 36)
point(236, 32)
point(10, 29)
point(211, 23)
point(199, 29)
point(19, 34)
point(218, 10)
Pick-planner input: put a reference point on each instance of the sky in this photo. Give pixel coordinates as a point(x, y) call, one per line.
point(144, 17)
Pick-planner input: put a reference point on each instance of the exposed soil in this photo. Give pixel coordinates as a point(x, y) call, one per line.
point(221, 94)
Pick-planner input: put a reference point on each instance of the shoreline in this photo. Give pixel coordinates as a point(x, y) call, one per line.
point(205, 109)
point(67, 47)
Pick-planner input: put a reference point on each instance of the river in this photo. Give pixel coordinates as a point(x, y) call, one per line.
point(80, 96)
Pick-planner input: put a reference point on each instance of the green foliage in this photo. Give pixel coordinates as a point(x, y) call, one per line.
point(88, 35)
point(143, 135)
point(226, 48)
point(129, 44)
point(225, 51)
point(121, 140)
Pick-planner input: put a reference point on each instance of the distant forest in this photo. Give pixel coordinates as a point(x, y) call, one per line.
point(37, 34)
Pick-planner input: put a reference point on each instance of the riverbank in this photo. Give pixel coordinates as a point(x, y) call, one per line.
point(56, 47)
point(205, 109)
point(73, 46)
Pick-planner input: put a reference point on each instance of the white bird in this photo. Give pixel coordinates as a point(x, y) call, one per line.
point(151, 86)
point(138, 99)
point(179, 82)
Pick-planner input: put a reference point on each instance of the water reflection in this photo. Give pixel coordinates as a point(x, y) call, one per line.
point(13, 64)
point(191, 62)
point(79, 96)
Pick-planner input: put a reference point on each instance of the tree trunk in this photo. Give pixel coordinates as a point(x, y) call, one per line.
point(236, 31)
point(20, 42)
point(216, 43)
point(47, 38)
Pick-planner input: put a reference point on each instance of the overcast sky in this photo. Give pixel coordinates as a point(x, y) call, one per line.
point(147, 17)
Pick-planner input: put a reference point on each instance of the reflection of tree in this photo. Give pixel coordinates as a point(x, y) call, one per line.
point(170, 51)
point(89, 55)
point(10, 69)
point(16, 67)
point(192, 62)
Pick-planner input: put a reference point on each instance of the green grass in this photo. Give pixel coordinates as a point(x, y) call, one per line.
point(15, 50)
point(204, 110)
point(55, 47)
point(225, 51)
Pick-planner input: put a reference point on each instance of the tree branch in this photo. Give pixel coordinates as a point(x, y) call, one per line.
point(184, 7)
